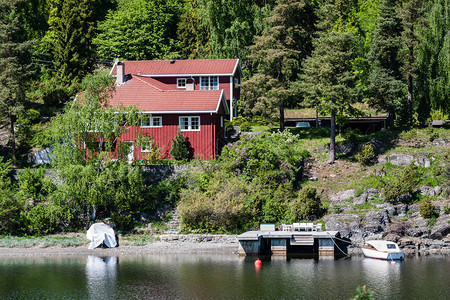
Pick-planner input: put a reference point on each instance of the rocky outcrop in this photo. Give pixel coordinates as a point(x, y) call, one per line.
point(401, 159)
point(341, 197)
point(349, 225)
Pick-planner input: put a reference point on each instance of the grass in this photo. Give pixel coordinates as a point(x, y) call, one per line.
point(45, 241)
point(136, 240)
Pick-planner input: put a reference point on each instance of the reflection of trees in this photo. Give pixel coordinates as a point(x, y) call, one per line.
point(101, 274)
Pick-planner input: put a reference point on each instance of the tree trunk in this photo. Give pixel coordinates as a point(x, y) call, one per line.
point(13, 138)
point(333, 138)
point(410, 79)
point(282, 116)
point(317, 115)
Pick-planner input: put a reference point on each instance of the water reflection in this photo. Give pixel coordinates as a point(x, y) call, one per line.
point(382, 274)
point(101, 274)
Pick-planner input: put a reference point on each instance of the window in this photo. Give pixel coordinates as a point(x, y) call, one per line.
point(190, 123)
point(181, 83)
point(209, 83)
point(146, 147)
point(221, 121)
point(148, 121)
point(236, 83)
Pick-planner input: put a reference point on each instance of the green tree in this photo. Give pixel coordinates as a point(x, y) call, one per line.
point(385, 80)
point(16, 69)
point(140, 29)
point(412, 15)
point(193, 35)
point(233, 24)
point(433, 59)
point(306, 204)
point(89, 128)
point(180, 149)
point(276, 57)
point(69, 39)
point(329, 78)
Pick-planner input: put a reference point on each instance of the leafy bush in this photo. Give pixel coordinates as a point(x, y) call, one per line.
point(362, 293)
point(366, 155)
point(307, 204)
point(45, 218)
point(180, 148)
point(11, 212)
point(259, 121)
point(245, 126)
point(32, 183)
point(405, 185)
point(350, 134)
point(427, 209)
point(437, 114)
point(409, 135)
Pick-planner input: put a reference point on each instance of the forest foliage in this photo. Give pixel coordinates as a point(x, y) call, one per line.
point(329, 54)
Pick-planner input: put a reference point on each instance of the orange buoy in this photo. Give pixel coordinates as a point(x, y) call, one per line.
point(258, 263)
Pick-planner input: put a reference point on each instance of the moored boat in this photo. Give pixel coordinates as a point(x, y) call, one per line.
point(380, 249)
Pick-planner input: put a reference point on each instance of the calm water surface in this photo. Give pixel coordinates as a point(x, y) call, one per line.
point(220, 277)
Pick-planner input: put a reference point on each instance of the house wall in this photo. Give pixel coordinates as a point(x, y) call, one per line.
point(202, 142)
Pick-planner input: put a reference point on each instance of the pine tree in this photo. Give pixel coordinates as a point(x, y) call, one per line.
point(193, 35)
point(384, 76)
point(276, 57)
point(16, 68)
point(412, 14)
point(328, 77)
point(70, 36)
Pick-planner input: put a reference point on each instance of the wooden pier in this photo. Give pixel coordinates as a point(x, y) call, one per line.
point(282, 243)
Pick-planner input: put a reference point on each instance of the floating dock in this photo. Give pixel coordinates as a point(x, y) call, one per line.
point(282, 243)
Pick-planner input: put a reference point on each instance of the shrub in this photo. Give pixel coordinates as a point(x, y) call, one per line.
point(437, 114)
point(396, 189)
point(180, 148)
point(427, 209)
point(350, 134)
point(363, 294)
point(245, 126)
point(33, 184)
point(409, 135)
point(45, 218)
point(259, 121)
point(366, 155)
point(307, 204)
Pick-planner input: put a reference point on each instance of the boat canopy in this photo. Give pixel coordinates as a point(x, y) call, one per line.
point(381, 245)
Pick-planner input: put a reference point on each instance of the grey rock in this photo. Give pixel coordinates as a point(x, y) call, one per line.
point(313, 178)
point(362, 199)
point(437, 190)
point(425, 190)
point(349, 225)
point(382, 159)
point(390, 209)
point(422, 161)
point(401, 209)
point(442, 228)
point(339, 198)
point(376, 221)
point(400, 159)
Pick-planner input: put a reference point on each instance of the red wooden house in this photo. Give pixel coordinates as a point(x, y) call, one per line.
point(191, 96)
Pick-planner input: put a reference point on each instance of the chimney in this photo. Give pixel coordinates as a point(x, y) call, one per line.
point(120, 70)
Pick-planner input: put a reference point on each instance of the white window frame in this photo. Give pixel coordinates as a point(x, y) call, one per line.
point(181, 86)
point(189, 121)
point(146, 149)
point(152, 122)
point(209, 86)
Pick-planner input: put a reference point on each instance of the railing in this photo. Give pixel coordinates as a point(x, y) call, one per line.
point(302, 227)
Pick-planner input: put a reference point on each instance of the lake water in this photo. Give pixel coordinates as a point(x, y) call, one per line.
point(221, 277)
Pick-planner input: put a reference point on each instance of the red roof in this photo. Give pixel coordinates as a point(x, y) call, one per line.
point(146, 96)
point(181, 67)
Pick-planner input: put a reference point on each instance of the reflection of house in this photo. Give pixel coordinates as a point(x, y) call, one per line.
point(193, 96)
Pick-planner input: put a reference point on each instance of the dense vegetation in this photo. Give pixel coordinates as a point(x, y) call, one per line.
point(327, 54)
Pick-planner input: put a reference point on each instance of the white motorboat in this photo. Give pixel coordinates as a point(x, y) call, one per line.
point(380, 249)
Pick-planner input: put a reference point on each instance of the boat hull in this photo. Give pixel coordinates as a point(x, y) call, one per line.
point(371, 253)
